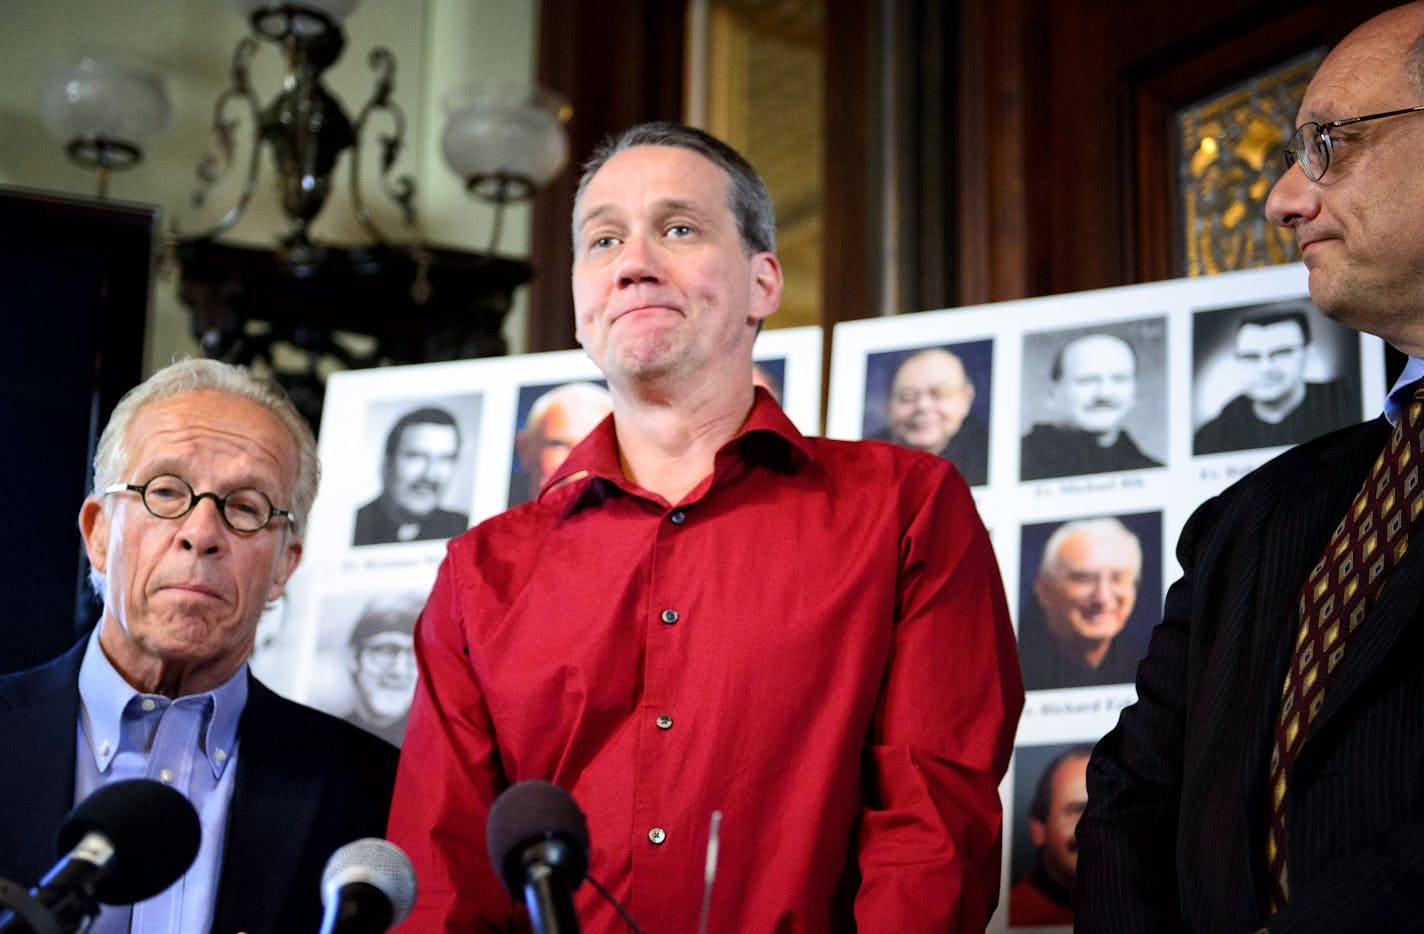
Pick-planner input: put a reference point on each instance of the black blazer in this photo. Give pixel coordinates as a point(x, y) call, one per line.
point(306, 784)
point(1173, 836)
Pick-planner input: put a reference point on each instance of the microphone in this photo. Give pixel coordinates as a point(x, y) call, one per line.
point(538, 842)
point(126, 842)
point(368, 886)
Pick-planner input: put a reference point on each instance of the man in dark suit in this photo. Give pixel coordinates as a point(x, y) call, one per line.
point(421, 452)
point(160, 689)
point(1181, 792)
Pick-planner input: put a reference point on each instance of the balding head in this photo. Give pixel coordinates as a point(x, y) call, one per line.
point(929, 399)
point(558, 421)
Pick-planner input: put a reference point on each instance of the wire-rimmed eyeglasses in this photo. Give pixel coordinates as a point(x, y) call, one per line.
point(1312, 146)
point(171, 497)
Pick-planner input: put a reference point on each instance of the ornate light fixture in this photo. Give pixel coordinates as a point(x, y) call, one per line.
point(419, 301)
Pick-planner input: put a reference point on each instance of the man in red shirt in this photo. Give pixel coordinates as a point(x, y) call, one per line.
point(1044, 895)
point(704, 611)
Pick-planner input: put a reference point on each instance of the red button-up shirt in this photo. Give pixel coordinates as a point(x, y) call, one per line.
point(814, 642)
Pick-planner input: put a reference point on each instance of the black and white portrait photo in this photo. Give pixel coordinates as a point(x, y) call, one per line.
point(425, 466)
point(1271, 375)
point(1094, 400)
point(363, 669)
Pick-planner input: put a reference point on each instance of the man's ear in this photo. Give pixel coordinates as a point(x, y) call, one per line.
point(525, 449)
point(1037, 832)
point(766, 285)
point(287, 565)
point(1039, 585)
point(94, 528)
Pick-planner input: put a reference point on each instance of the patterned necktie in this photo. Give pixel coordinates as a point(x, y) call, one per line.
point(1364, 548)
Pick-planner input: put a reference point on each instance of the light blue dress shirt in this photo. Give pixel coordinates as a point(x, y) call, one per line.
point(1396, 400)
point(189, 743)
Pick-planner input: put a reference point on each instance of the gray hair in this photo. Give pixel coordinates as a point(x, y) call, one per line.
point(386, 614)
point(578, 391)
point(1095, 527)
point(747, 197)
point(1414, 65)
point(111, 461)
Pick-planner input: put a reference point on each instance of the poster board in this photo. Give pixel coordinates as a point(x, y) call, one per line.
point(1190, 364)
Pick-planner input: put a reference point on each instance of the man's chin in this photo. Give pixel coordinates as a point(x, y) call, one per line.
point(1101, 426)
point(390, 706)
point(1100, 632)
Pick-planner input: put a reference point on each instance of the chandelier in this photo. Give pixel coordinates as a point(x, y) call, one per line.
point(412, 300)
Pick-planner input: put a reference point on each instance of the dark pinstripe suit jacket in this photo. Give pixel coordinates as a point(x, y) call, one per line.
point(306, 784)
point(1173, 837)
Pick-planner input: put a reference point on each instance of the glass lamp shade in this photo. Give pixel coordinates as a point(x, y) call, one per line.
point(505, 142)
point(113, 105)
point(274, 17)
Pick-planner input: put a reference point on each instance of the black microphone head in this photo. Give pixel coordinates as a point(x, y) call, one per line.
point(154, 832)
point(375, 862)
point(531, 812)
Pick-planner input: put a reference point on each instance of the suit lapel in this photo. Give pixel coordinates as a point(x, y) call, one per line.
point(270, 821)
point(39, 715)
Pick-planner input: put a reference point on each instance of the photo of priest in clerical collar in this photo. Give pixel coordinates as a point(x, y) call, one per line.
point(423, 456)
point(1271, 375)
point(934, 399)
point(1091, 590)
point(1095, 400)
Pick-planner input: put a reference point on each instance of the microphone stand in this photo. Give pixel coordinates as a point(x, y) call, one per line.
point(25, 915)
point(546, 893)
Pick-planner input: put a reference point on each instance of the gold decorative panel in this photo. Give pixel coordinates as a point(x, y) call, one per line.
point(764, 97)
point(1229, 157)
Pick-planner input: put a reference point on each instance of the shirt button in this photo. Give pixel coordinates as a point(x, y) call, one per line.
point(148, 703)
point(678, 517)
point(664, 722)
point(220, 755)
point(657, 835)
point(167, 776)
point(669, 616)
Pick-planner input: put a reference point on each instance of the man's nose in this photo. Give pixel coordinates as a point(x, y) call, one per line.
point(638, 261)
point(1294, 199)
point(1104, 591)
point(203, 529)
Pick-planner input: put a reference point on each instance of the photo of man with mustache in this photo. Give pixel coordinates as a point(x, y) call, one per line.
point(421, 453)
point(1093, 390)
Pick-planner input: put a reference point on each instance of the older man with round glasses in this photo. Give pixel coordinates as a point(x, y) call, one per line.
point(161, 690)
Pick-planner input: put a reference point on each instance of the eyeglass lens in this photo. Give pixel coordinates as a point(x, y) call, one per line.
point(1311, 148)
point(170, 497)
